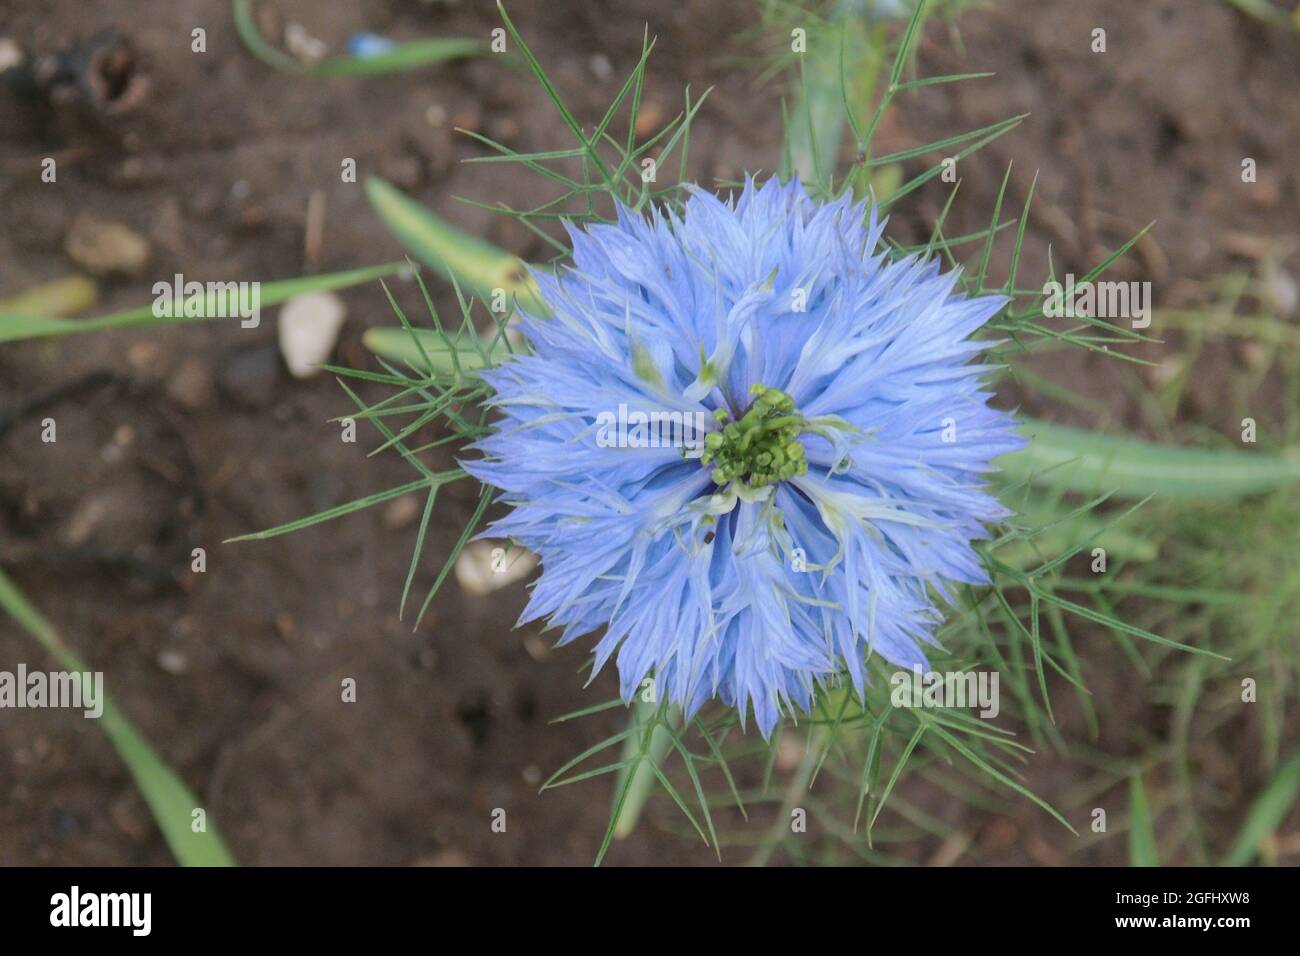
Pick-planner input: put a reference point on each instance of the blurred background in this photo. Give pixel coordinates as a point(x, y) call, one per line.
point(169, 439)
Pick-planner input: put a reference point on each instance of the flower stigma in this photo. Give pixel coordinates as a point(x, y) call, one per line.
point(761, 447)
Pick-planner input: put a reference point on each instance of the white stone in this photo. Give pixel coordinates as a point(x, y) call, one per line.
point(11, 54)
point(486, 566)
point(308, 327)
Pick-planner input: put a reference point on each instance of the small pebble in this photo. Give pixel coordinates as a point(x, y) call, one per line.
point(126, 815)
point(649, 119)
point(504, 130)
point(104, 247)
point(789, 753)
point(144, 356)
point(468, 119)
point(1167, 369)
point(286, 627)
point(1254, 355)
point(173, 662)
point(487, 566)
point(191, 385)
point(11, 54)
point(308, 328)
point(601, 68)
point(1280, 292)
point(402, 512)
point(436, 116)
point(302, 44)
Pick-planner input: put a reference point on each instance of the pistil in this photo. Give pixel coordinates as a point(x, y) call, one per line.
point(761, 447)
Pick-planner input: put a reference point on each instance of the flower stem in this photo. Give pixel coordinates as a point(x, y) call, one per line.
point(643, 751)
point(794, 793)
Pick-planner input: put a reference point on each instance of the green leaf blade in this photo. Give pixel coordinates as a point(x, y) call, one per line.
point(169, 799)
point(1090, 463)
point(475, 263)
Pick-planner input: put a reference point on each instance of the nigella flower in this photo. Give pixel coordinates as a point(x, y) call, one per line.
point(748, 446)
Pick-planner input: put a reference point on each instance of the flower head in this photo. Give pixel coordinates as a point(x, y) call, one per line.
point(747, 445)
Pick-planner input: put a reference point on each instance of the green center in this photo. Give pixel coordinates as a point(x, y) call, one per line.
point(760, 448)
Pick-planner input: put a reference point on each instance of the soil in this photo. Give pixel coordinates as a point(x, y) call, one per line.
point(175, 439)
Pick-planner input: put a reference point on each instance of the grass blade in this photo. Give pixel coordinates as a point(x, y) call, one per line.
point(170, 801)
point(1267, 813)
point(1141, 833)
point(476, 264)
point(212, 305)
point(403, 56)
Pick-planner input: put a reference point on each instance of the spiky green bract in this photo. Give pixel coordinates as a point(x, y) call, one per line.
point(752, 591)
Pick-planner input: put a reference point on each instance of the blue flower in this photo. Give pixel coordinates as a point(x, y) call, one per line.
point(747, 445)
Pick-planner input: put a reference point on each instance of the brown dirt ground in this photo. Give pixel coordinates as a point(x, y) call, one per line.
point(234, 673)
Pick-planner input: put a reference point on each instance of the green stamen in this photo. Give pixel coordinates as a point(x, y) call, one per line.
point(761, 447)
